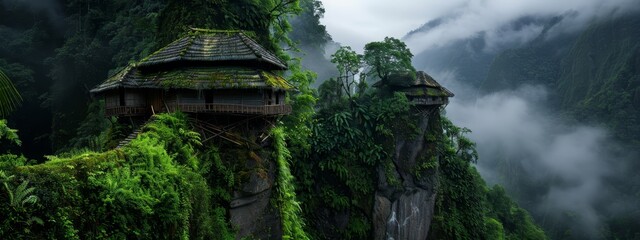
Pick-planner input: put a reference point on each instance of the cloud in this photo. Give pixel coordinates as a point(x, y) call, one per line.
point(357, 22)
point(490, 17)
point(557, 169)
point(52, 8)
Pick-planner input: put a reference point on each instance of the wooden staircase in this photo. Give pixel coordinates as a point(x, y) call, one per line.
point(134, 134)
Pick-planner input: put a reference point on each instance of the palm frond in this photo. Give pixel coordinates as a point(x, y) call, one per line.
point(9, 96)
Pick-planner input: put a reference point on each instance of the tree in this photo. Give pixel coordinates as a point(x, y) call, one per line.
point(348, 63)
point(388, 57)
point(9, 96)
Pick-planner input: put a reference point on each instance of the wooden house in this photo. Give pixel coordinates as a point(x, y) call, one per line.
point(422, 90)
point(206, 71)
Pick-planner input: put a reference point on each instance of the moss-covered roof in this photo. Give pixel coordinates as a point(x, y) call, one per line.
point(196, 78)
point(202, 45)
point(421, 85)
point(209, 59)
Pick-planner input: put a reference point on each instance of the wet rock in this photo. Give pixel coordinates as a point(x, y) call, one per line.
point(251, 211)
point(411, 216)
point(405, 210)
point(259, 181)
point(381, 211)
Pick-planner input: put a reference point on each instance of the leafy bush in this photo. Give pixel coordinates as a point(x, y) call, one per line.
point(150, 188)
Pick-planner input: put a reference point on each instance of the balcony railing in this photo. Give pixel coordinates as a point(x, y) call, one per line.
point(231, 108)
point(430, 101)
point(126, 111)
point(202, 108)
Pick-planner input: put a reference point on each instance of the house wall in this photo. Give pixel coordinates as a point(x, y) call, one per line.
point(190, 97)
point(134, 98)
point(154, 98)
point(235, 96)
point(111, 99)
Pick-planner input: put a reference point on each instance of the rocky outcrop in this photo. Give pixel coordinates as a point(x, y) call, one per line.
point(404, 201)
point(251, 211)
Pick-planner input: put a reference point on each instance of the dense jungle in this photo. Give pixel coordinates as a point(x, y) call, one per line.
point(371, 143)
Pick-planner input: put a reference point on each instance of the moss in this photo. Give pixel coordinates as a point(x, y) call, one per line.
point(292, 222)
point(276, 81)
point(151, 188)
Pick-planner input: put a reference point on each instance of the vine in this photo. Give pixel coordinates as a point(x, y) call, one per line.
point(292, 223)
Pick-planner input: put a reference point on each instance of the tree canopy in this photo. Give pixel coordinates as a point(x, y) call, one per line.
point(388, 57)
point(348, 63)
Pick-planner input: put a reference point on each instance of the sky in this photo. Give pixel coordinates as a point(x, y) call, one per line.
point(357, 22)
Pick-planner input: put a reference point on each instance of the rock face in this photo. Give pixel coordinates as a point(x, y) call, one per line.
point(251, 211)
point(403, 209)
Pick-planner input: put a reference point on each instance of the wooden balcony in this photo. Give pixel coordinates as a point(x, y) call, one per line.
point(231, 108)
point(127, 111)
point(430, 101)
point(202, 108)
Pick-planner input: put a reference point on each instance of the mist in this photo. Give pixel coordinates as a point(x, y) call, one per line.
point(559, 170)
point(494, 20)
point(51, 8)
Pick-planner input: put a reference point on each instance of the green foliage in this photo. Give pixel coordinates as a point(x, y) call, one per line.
point(306, 27)
point(93, 132)
point(151, 188)
point(9, 134)
point(388, 57)
point(292, 222)
point(267, 18)
point(349, 140)
point(298, 124)
point(465, 208)
point(494, 229)
point(19, 212)
point(9, 96)
point(348, 63)
point(516, 221)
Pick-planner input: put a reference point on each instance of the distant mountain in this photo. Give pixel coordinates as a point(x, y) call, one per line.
point(592, 77)
point(595, 75)
point(471, 59)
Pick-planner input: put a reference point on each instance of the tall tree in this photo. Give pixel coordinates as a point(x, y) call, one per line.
point(348, 63)
point(268, 19)
point(388, 57)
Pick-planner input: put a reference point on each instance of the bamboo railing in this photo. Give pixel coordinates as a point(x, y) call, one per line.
point(429, 101)
point(231, 108)
point(126, 111)
point(203, 108)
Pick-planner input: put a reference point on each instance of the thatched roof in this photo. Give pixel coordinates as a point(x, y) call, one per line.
point(196, 78)
point(202, 45)
point(231, 60)
point(421, 85)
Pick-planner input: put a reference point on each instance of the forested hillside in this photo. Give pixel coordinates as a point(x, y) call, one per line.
point(592, 78)
point(592, 75)
point(350, 161)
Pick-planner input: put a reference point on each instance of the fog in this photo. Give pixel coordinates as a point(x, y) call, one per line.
point(51, 8)
point(559, 170)
point(494, 19)
point(357, 22)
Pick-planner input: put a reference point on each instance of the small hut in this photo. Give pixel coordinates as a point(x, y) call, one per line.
point(206, 71)
point(422, 90)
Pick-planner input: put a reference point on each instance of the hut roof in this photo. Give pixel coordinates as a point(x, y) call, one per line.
point(421, 85)
point(223, 77)
point(231, 49)
point(202, 45)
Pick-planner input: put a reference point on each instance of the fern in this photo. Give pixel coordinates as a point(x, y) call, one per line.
point(8, 133)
